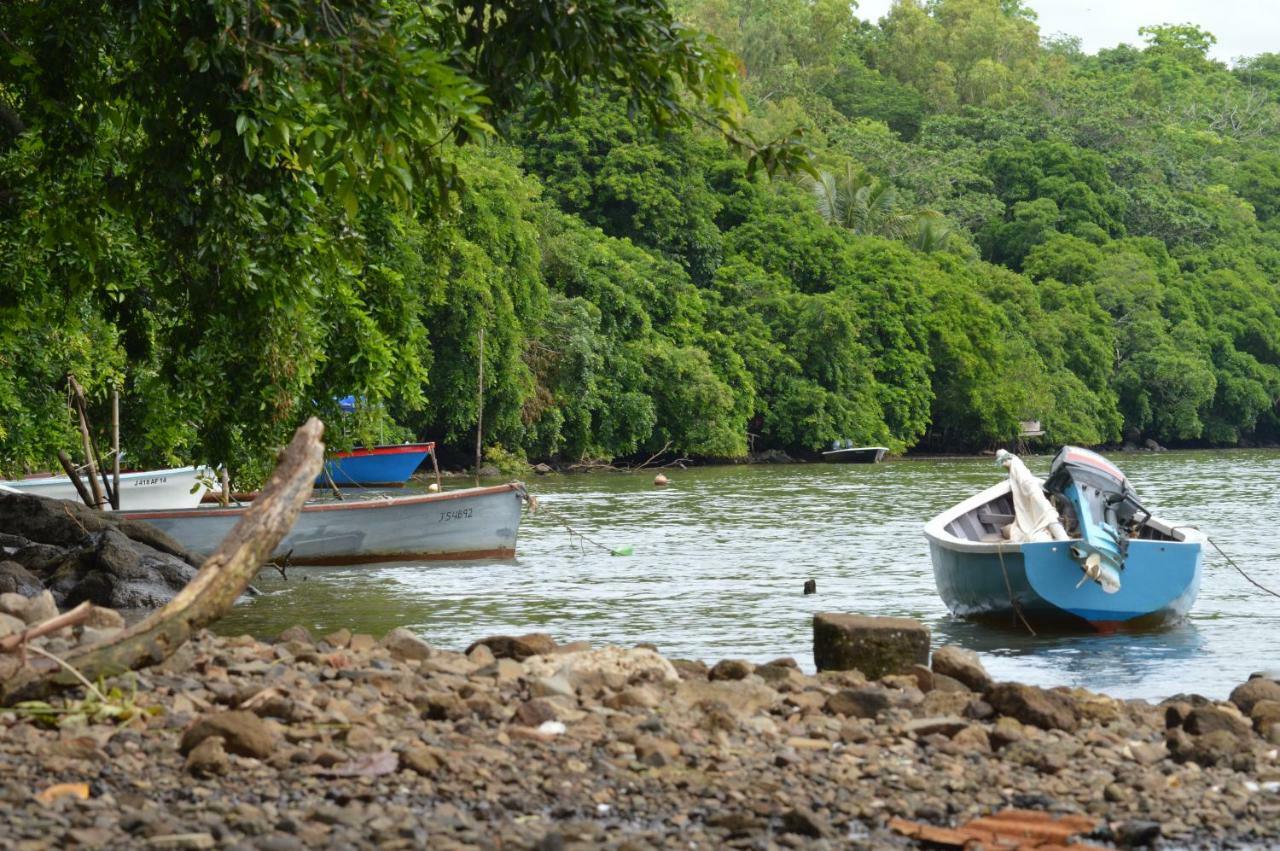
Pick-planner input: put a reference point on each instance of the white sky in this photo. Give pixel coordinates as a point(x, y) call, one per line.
point(1243, 27)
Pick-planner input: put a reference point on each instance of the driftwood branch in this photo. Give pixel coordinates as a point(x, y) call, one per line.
point(78, 615)
point(222, 578)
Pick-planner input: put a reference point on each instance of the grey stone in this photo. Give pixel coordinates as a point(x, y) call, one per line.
point(1208, 719)
point(805, 822)
point(866, 702)
point(1247, 694)
point(243, 733)
point(1031, 705)
point(518, 648)
point(16, 579)
point(730, 669)
point(405, 646)
point(963, 665)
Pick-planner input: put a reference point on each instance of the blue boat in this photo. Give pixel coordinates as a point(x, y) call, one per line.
point(1108, 562)
point(375, 466)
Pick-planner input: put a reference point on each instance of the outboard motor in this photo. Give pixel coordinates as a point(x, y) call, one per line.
point(1106, 510)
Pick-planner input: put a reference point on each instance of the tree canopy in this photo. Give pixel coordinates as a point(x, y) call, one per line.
point(238, 212)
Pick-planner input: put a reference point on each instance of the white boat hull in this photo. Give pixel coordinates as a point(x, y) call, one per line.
point(143, 491)
point(464, 524)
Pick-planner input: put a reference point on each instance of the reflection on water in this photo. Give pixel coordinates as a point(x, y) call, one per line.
point(721, 555)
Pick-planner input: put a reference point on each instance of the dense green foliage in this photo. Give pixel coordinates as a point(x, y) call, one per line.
point(240, 211)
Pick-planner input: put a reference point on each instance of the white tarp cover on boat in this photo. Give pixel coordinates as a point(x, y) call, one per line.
point(1035, 518)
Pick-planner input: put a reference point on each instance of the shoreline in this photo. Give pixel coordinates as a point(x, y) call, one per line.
point(347, 740)
point(424, 477)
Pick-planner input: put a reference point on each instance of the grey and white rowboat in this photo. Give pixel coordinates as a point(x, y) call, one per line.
point(179, 487)
point(462, 524)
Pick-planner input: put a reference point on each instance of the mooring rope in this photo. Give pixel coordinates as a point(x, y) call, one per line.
point(1009, 587)
point(1232, 562)
point(1229, 559)
point(536, 506)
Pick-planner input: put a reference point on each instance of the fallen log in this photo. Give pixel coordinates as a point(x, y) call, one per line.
point(222, 578)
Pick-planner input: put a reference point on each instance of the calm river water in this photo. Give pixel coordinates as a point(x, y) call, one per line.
point(721, 555)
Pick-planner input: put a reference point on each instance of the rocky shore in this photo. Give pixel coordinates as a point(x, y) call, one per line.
point(347, 741)
point(76, 554)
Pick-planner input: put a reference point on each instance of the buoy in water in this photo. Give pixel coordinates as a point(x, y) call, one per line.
point(810, 586)
point(433, 488)
point(660, 480)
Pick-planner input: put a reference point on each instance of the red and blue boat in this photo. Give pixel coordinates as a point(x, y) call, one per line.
point(375, 466)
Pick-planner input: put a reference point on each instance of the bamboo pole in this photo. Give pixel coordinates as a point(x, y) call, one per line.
point(435, 465)
point(86, 444)
point(65, 460)
point(480, 408)
point(115, 448)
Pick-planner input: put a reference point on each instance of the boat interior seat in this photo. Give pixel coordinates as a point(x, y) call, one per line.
point(995, 518)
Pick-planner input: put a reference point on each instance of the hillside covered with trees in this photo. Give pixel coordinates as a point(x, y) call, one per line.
point(239, 212)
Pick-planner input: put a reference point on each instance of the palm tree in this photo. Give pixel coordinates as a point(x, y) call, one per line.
point(868, 206)
point(933, 232)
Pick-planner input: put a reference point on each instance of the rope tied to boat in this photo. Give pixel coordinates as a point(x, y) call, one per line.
point(1232, 562)
point(574, 535)
point(1013, 601)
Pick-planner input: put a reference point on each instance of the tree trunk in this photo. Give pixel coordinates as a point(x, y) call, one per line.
point(222, 578)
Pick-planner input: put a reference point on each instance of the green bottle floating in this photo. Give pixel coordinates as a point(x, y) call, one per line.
point(622, 551)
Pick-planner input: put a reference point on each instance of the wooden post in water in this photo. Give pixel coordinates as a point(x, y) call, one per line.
point(435, 465)
point(480, 407)
point(115, 448)
point(225, 497)
point(87, 444)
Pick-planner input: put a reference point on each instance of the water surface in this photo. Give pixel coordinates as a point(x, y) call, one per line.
point(721, 555)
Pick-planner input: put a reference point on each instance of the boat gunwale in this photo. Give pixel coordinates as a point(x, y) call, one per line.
point(393, 502)
point(853, 449)
point(387, 449)
point(38, 480)
point(936, 529)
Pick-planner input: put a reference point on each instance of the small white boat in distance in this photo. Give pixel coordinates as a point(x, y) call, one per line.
point(844, 452)
point(148, 490)
point(462, 524)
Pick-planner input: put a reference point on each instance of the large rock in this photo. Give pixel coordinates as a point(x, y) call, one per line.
point(517, 647)
point(1210, 719)
point(10, 625)
point(64, 523)
point(1036, 706)
point(406, 646)
point(1213, 748)
point(40, 559)
point(242, 733)
point(737, 698)
point(114, 571)
point(637, 662)
point(16, 579)
point(1264, 714)
point(873, 645)
point(730, 669)
point(963, 665)
point(866, 702)
point(1247, 694)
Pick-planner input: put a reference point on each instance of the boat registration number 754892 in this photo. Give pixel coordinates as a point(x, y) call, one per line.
point(457, 514)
